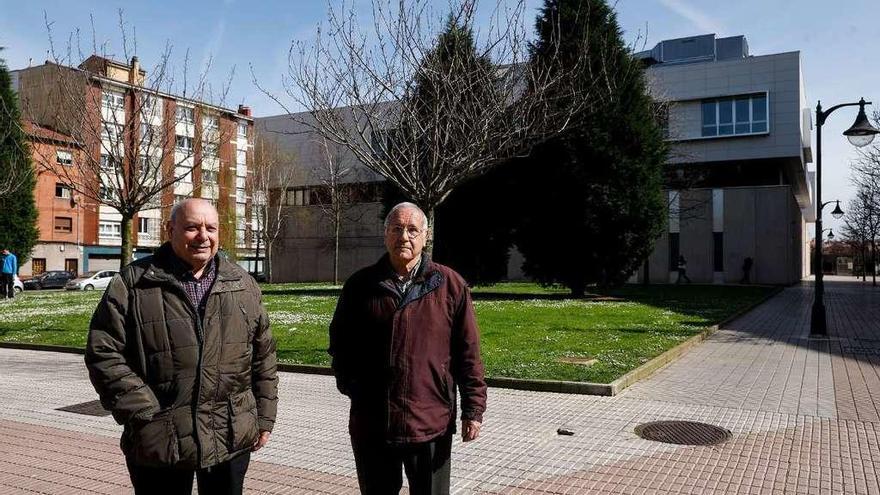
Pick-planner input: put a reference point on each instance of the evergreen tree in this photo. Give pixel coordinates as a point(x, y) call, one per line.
point(468, 236)
point(18, 217)
point(593, 199)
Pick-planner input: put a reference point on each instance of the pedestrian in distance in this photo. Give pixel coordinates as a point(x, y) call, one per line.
point(747, 270)
point(403, 339)
point(682, 270)
point(179, 350)
point(8, 271)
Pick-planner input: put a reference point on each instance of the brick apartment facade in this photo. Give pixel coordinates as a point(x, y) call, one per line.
point(80, 234)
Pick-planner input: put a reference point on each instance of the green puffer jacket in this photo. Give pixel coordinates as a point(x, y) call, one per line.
point(191, 392)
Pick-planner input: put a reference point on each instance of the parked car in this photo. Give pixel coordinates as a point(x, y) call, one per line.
point(17, 285)
point(91, 280)
point(55, 279)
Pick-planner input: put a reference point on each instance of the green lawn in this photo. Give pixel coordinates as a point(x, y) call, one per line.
point(526, 329)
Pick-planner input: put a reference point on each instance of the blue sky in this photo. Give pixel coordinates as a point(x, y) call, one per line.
point(838, 41)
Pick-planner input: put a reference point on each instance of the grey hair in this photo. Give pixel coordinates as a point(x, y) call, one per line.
point(176, 208)
point(406, 204)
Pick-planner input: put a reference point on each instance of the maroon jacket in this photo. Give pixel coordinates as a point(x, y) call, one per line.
point(401, 360)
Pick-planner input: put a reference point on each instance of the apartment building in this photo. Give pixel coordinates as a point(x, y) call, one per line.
point(739, 187)
point(61, 214)
point(206, 147)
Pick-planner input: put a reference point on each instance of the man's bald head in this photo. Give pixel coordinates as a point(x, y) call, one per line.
point(194, 231)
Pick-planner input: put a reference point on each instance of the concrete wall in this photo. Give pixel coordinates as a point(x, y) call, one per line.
point(686, 84)
point(763, 223)
point(305, 251)
point(55, 254)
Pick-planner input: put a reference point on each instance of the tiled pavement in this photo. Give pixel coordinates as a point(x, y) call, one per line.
point(804, 414)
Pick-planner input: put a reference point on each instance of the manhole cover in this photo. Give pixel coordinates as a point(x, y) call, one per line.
point(91, 408)
point(683, 432)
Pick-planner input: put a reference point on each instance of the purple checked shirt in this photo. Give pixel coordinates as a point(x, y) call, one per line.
point(197, 288)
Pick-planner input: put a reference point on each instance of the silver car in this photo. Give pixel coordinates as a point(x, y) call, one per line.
point(92, 280)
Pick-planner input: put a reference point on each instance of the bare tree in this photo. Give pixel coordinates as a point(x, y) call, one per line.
point(274, 171)
point(863, 220)
point(360, 87)
point(339, 194)
point(132, 149)
point(855, 231)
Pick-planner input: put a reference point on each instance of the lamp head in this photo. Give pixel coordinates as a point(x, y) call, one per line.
point(862, 132)
point(837, 212)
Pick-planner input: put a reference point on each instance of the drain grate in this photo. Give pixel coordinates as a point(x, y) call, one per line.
point(91, 408)
point(683, 432)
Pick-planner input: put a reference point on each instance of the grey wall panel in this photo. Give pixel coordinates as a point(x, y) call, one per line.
point(739, 231)
point(696, 234)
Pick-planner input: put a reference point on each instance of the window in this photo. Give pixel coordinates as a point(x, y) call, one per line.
point(242, 129)
point(185, 143)
point(718, 251)
point(240, 195)
point(239, 182)
point(149, 105)
point(209, 150)
point(149, 166)
point(111, 132)
point(62, 191)
point(734, 116)
point(210, 122)
point(144, 225)
point(63, 225)
point(112, 99)
point(108, 163)
point(297, 197)
point(110, 229)
point(38, 266)
point(673, 251)
point(241, 157)
point(179, 198)
point(63, 157)
point(209, 176)
point(107, 193)
point(184, 114)
point(148, 134)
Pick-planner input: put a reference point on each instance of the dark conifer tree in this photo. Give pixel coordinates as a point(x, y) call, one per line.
point(18, 212)
point(591, 203)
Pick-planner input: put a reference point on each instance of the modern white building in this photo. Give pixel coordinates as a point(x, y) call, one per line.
point(738, 182)
point(740, 132)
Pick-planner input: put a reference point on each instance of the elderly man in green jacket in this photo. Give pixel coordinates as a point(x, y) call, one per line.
point(180, 352)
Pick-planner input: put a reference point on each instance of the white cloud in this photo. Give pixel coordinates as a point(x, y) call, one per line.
point(699, 19)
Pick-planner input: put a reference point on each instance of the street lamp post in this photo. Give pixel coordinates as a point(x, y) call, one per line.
point(860, 134)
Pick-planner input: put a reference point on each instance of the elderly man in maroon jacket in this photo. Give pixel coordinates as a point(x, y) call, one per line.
point(403, 338)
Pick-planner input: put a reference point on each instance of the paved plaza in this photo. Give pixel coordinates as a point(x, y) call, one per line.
point(804, 413)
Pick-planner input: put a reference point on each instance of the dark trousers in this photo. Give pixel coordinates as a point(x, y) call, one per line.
point(426, 465)
point(8, 287)
point(682, 274)
point(224, 479)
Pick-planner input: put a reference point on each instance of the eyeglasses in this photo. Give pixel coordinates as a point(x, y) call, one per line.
point(398, 230)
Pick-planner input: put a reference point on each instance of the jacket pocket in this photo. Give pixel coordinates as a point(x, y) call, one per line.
point(242, 431)
point(155, 443)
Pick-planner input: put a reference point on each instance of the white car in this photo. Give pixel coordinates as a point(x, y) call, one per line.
point(91, 280)
point(17, 285)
